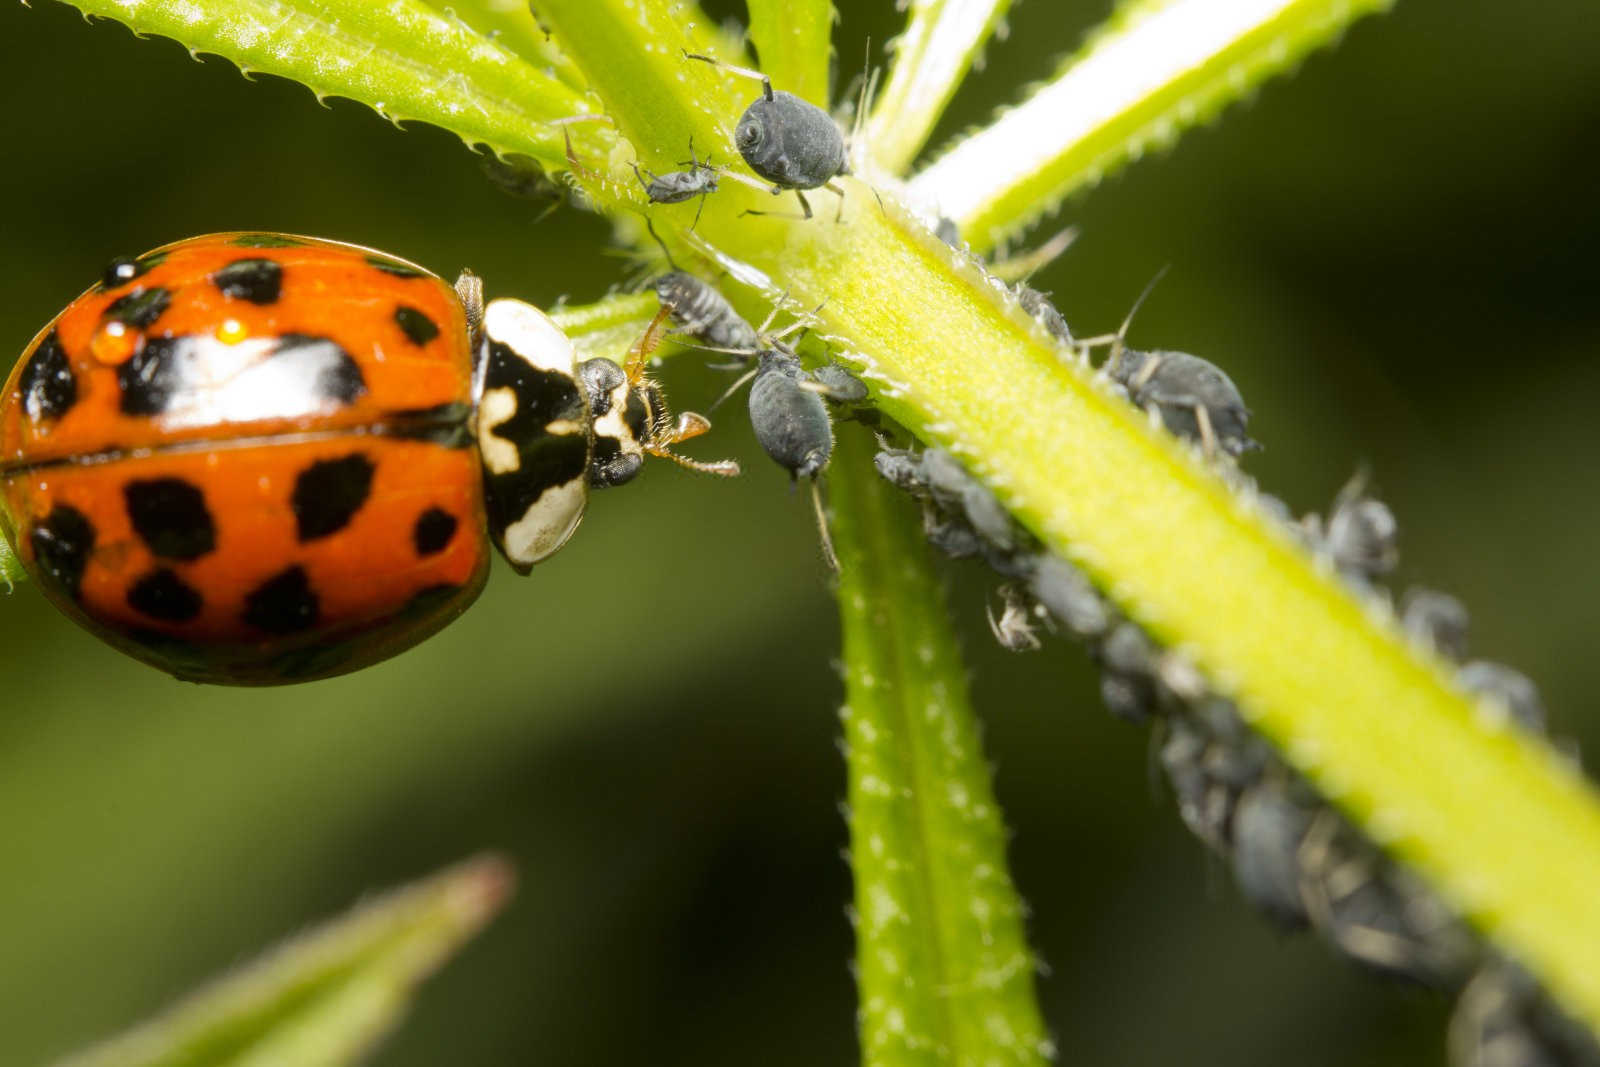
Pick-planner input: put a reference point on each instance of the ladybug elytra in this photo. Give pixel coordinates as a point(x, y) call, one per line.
point(253, 459)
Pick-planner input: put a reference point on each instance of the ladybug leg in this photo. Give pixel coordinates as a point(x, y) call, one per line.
point(690, 424)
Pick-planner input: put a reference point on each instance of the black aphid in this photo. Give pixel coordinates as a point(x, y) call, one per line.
point(699, 310)
point(790, 142)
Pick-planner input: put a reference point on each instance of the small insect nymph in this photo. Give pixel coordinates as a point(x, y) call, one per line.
point(789, 141)
point(677, 186)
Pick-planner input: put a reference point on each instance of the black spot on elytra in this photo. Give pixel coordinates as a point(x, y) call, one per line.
point(265, 240)
point(256, 280)
point(434, 530)
point(283, 604)
point(339, 376)
point(395, 267)
point(140, 308)
point(170, 517)
point(61, 542)
point(149, 379)
point(415, 325)
point(545, 460)
point(161, 594)
point(124, 269)
point(48, 387)
point(328, 494)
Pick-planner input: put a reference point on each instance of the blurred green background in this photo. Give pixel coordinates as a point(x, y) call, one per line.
point(1393, 254)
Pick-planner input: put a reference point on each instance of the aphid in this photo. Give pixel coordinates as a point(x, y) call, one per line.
point(1127, 681)
point(1362, 535)
point(1436, 620)
point(1193, 397)
point(1014, 628)
point(1269, 825)
point(702, 312)
point(1504, 1019)
point(255, 458)
point(1377, 914)
point(1511, 689)
point(1069, 596)
point(947, 231)
point(792, 425)
point(789, 141)
point(1039, 306)
point(522, 177)
point(677, 186)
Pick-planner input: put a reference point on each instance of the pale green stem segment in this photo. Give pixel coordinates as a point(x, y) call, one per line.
point(402, 58)
point(792, 38)
point(1154, 71)
point(326, 997)
point(944, 971)
point(11, 571)
point(942, 40)
point(610, 327)
point(511, 23)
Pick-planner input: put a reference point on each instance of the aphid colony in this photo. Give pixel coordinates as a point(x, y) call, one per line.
point(1292, 854)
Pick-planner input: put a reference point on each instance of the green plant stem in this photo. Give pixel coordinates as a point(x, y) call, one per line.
point(943, 965)
point(1153, 71)
point(942, 40)
point(792, 38)
point(325, 997)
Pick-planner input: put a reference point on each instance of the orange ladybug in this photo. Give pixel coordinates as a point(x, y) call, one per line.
point(253, 458)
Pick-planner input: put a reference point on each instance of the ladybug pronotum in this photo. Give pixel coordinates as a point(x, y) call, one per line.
point(253, 459)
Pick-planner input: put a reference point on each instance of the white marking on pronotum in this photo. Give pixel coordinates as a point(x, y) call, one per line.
point(494, 410)
point(530, 334)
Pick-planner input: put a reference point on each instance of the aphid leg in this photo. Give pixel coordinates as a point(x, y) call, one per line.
point(775, 190)
point(640, 351)
point(1208, 436)
point(1146, 372)
point(701, 208)
point(766, 82)
point(836, 191)
point(822, 526)
point(638, 171)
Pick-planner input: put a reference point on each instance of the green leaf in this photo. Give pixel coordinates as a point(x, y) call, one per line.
point(400, 57)
point(1156, 69)
point(327, 996)
point(942, 40)
point(943, 965)
point(511, 23)
point(607, 328)
point(792, 39)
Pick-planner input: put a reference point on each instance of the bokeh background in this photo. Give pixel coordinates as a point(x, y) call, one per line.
point(1392, 252)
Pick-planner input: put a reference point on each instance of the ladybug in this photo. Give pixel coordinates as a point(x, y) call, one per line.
point(252, 458)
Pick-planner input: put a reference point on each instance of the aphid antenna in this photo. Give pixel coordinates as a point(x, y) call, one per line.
point(766, 82)
point(1024, 265)
point(822, 525)
point(1115, 340)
